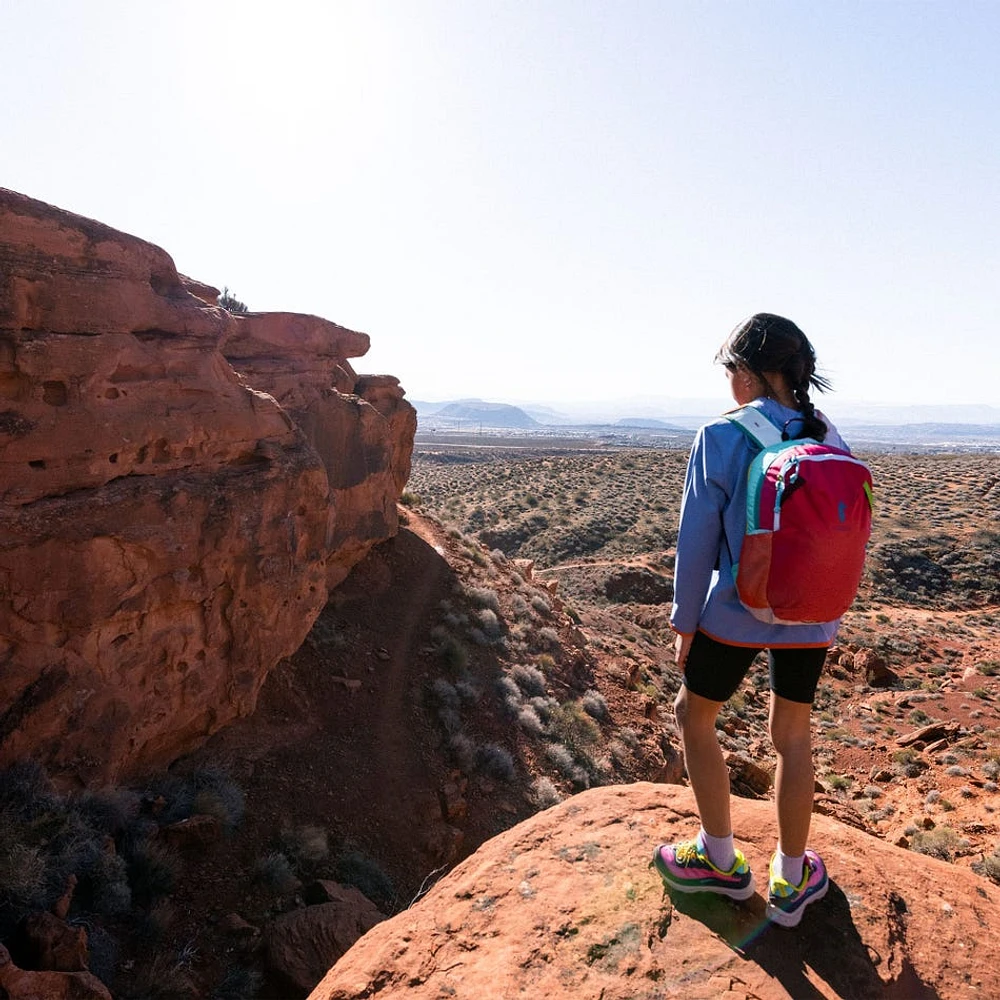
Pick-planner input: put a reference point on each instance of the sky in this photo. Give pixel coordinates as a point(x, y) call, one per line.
point(546, 200)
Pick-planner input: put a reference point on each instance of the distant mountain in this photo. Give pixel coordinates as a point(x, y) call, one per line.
point(473, 412)
point(883, 424)
point(647, 423)
point(423, 408)
point(547, 415)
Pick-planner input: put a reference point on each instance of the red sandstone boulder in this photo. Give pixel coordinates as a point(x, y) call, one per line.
point(565, 905)
point(19, 984)
point(54, 945)
point(167, 530)
point(300, 946)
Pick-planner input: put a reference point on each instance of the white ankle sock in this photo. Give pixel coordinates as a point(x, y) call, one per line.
point(789, 867)
point(720, 850)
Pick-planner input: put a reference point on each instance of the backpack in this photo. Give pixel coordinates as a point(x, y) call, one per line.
point(809, 514)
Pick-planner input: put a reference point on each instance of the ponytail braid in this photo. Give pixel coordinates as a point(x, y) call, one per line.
point(812, 425)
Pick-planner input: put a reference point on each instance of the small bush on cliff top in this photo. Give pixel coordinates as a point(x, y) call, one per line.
point(230, 303)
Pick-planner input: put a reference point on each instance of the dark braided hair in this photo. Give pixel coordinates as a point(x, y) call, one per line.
point(769, 343)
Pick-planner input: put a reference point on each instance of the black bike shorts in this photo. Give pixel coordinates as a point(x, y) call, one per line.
point(716, 669)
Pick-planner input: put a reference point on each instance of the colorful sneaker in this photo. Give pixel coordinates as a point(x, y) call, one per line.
point(686, 867)
point(786, 902)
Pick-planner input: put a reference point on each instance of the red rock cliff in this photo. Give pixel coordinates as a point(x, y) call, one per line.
point(167, 529)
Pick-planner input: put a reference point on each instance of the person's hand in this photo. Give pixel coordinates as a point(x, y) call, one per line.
point(682, 645)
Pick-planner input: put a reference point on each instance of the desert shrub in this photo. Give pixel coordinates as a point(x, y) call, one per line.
point(484, 597)
point(467, 690)
point(509, 693)
point(991, 768)
point(571, 725)
point(544, 706)
point(454, 656)
point(153, 869)
point(24, 883)
point(495, 762)
point(444, 693)
point(43, 841)
point(447, 702)
point(933, 796)
point(989, 866)
point(544, 793)
point(26, 791)
point(541, 605)
point(206, 791)
point(549, 636)
point(630, 737)
point(239, 982)
point(164, 975)
point(368, 877)
point(409, 499)
point(464, 752)
point(520, 607)
point(529, 721)
point(305, 845)
point(489, 623)
point(595, 705)
point(566, 764)
point(275, 872)
point(105, 888)
point(529, 680)
point(109, 810)
point(941, 842)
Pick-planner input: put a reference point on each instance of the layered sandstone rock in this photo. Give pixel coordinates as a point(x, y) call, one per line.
point(361, 427)
point(166, 527)
point(566, 905)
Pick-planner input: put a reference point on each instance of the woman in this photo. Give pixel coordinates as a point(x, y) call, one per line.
point(771, 366)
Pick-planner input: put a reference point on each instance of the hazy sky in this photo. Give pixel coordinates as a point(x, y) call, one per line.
point(546, 199)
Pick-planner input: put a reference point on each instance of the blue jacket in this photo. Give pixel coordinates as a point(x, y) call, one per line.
point(713, 519)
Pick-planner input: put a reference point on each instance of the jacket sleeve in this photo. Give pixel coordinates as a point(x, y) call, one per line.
point(700, 534)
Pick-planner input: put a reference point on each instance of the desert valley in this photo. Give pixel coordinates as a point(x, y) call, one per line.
point(299, 691)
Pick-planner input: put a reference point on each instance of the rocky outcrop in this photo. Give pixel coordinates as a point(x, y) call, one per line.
point(362, 428)
point(566, 905)
point(166, 527)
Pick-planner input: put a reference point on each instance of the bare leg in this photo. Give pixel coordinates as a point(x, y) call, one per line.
point(706, 766)
point(794, 780)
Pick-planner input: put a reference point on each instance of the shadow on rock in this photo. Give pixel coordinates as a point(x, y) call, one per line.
point(826, 946)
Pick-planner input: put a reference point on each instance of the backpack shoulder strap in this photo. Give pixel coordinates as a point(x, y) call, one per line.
point(755, 425)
